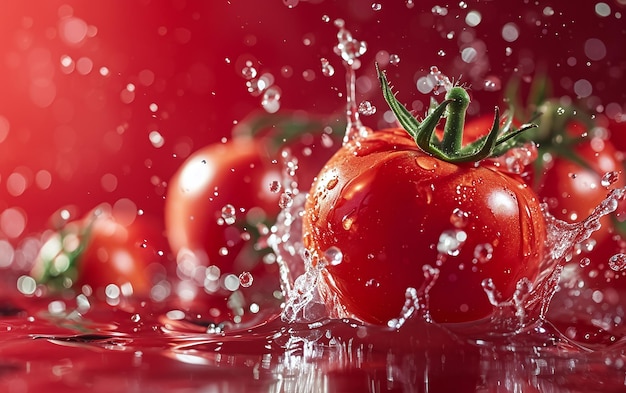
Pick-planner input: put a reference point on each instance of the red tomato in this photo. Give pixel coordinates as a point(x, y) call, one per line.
point(108, 246)
point(215, 203)
point(389, 210)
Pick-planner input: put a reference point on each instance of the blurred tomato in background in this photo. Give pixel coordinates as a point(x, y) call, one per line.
point(103, 101)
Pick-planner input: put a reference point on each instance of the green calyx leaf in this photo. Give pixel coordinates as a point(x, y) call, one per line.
point(451, 148)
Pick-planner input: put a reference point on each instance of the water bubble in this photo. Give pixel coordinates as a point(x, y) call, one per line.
point(609, 178)
point(451, 241)
point(366, 108)
point(246, 279)
point(618, 262)
point(327, 68)
point(275, 187)
point(333, 256)
point(394, 59)
point(229, 214)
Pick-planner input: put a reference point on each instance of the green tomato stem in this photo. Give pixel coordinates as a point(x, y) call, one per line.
point(455, 121)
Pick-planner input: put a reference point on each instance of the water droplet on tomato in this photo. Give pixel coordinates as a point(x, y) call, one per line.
point(333, 256)
point(332, 183)
point(483, 252)
point(246, 279)
point(609, 178)
point(229, 214)
point(427, 162)
point(618, 262)
point(459, 218)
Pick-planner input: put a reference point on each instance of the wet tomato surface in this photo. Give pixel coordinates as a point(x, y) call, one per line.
point(392, 214)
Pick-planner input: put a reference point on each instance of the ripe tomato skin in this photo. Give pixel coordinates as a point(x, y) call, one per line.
point(102, 248)
point(386, 204)
point(235, 174)
point(573, 189)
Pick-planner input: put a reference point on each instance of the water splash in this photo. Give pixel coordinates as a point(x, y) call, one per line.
point(350, 49)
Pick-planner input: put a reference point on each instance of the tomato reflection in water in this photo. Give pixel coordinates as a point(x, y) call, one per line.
point(104, 103)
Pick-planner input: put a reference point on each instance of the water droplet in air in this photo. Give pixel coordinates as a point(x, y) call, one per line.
point(394, 59)
point(410, 4)
point(135, 318)
point(584, 262)
point(333, 256)
point(366, 108)
point(327, 68)
point(438, 10)
point(229, 214)
point(291, 3)
point(377, 6)
point(286, 200)
point(275, 186)
point(271, 100)
point(492, 83)
point(325, 18)
point(249, 72)
point(618, 262)
point(246, 279)
point(609, 178)
point(451, 241)
point(441, 53)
